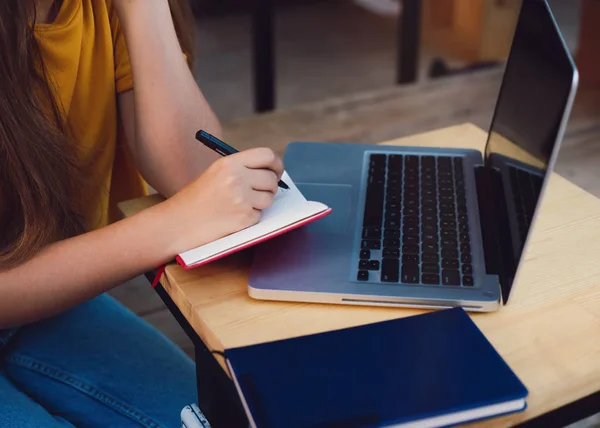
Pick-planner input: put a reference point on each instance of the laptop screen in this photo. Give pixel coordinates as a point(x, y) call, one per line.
point(534, 100)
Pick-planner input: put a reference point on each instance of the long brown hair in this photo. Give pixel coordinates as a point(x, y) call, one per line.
point(39, 172)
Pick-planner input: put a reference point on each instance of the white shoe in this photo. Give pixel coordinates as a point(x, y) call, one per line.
point(192, 417)
point(381, 7)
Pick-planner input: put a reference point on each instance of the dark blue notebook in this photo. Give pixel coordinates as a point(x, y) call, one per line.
point(435, 369)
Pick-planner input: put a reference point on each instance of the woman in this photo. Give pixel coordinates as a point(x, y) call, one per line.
point(91, 92)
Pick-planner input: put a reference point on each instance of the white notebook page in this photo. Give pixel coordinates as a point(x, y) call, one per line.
point(290, 207)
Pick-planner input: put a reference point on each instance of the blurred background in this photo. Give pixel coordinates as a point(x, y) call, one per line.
point(277, 71)
point(332, 48)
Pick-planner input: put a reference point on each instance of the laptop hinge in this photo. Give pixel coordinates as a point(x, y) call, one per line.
point(495, 228)
point(487, 218)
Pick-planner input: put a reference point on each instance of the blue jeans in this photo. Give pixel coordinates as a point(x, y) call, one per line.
point(97, 365)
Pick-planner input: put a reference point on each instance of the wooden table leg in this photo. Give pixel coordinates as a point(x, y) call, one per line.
point(263, 55)
point(409, 37)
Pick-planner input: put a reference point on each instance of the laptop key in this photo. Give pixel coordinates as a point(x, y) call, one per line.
point(412, 194)
point(431, 240)
point(391, 233)
point(392, 215)
point(410, 273)
point(370, 244)
point(449, 243)
point(394, 188)
point(363, 264)
point(409, 229)
point(467, 269)
point(395, 161)
point(444, 163)
point(410, 211)
point(430, 278)
point(393, 198)
point(411, 203)
point(390, 270)
point(391, 242)
point(371, 232)
point(428, 161)
point(430, 257)
point(449, 263)
point(449, 233)
point(430, 237)
point(465, 258)
point(365, 254)
point(467, 280)
point(373, 264)
point(410, 249)
point(448, 224)
point(450, 254)
point(430, 248)
point(450, 277)
point(363, 275)
point(430, 268)
point(392, 206)
point(410, 258)
point(430, 228)
point(392, 224)
point(412, 161)
point(429, 219)
point(378, 158)
point(429, 194)
point(465, 248)
point(410, 239)
point(430, 211)
point(411, 219)
point(391, 253)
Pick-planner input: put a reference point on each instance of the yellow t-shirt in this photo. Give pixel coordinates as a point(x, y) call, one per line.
point(86, 57)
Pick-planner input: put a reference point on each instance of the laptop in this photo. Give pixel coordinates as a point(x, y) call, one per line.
point(430, 227)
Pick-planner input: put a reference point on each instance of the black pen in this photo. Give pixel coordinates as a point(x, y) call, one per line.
point(222, 148)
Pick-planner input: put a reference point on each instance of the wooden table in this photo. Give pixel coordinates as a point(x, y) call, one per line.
point(549, 333)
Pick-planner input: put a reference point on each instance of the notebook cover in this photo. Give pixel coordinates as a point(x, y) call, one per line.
point(374, 375)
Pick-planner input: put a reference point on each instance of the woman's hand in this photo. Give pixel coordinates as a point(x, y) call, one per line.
point(229, 196)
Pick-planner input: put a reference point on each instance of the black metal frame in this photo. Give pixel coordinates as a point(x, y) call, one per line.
point(263, 58)
point(217, 396)
point(409, 37)
point(219, 401)
point(264, 55)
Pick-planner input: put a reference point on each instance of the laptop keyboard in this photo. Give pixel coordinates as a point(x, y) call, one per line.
point(415, 224)
point(526, 188)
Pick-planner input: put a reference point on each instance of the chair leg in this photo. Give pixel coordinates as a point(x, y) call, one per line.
point(409, 35)
point(263, 55)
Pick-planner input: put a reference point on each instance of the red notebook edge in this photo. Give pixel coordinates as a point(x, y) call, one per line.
point(257, 241)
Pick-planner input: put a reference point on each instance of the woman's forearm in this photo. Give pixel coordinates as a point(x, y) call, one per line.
point(75, 270)
point(169, 106)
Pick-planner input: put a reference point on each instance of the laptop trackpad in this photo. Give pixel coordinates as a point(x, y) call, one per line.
point(336, 196)
point(306, 257)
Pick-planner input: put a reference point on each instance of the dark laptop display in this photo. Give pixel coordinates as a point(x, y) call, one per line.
point(525, 129)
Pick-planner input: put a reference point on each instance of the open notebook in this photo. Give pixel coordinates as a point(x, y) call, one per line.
point(289, 211)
